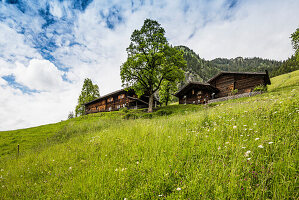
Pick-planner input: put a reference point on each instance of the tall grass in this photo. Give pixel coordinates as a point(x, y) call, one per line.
point(239, 149)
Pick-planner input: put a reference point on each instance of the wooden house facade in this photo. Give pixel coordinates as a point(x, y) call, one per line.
point(221, 85)
point(244, 82)
point(196, 93)
point(116, 100)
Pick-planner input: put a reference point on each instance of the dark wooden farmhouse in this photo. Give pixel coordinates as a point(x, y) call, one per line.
point(116, 100)
point(244, 82)
point(196, 93)
point(221, 85)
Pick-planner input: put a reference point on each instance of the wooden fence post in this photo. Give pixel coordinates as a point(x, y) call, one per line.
point(18, 151)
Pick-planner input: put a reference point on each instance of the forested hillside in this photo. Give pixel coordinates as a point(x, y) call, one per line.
point(199, 69)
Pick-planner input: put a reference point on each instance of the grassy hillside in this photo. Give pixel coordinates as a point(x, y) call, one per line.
point(240, 149)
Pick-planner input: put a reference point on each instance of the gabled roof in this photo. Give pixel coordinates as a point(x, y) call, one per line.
point(267, 79)
point(198, 85)
point(105, 96)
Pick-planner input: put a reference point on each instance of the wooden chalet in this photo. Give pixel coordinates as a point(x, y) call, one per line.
point(221, 85)
point(116, 100)
point(196, 93)
point(244, 82)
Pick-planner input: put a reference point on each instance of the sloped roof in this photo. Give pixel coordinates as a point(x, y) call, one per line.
point(267, 79)
point(105, 96)
point(199, 85)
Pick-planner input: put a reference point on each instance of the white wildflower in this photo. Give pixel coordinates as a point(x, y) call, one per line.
point(178, 189)
point(116, 170)
point(248, 158)
point(219, 148)
point(256, 139)
point(247, 153)
point(270, 143)
point(226, 142)
point(254, 124)
point(160, 195)
point(241, 135)
point(245, 129)
point(137, 162)
point(245, 125)
point(243, 147)
point(70, 168)
point(234, 127)
point(260, 146)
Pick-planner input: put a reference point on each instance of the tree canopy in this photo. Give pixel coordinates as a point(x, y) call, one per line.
point(295, 43)
point(89, 92)
point(151, 61)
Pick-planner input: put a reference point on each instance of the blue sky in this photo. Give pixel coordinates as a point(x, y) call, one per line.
point(48, 47)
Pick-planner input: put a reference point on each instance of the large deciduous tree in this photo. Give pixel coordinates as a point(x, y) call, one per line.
point(151, 61)
point(89, 92)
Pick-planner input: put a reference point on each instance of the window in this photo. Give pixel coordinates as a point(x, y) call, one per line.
point(110, 99)
point(121, 96)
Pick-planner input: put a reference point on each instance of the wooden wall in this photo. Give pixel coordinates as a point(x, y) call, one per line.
point(195, 96)
point(243, 82)
point(113, 103)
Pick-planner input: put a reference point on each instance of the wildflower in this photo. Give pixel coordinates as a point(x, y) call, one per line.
point(241, 135)
point(245, 125)
point(116, 170)
point(248, 158)
point(70, 168)
point(247, 153)
point(53, 160)
point(260, 146)
point(160, 195)
point(234, 127)
point(2, 170)
point(178, 189)
point(256, 139)
point(243, 147)
point(123, 169)
point(137, 162)
point(219, 148)
point(227, 143)
point(254, 124)
point(270, 143)
point(125, 199)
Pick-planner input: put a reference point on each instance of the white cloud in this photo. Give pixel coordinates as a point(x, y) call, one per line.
point(40, 75)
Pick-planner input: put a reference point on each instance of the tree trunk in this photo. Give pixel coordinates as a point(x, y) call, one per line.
point(150, 103)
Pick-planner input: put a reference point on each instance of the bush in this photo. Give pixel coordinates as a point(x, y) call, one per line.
point(262, 88)
point(130, 116)
point(147, 116)
point(124, 109)
point(163, 112)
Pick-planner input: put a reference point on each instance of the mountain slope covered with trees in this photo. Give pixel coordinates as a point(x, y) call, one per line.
point(199, 69)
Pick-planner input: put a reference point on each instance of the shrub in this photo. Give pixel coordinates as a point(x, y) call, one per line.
point(163, 112)
point(262, 88)
point(130, 116)
point(147, 116)
point(124, 109)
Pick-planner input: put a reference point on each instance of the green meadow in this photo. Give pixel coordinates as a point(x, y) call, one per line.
point(239, 149)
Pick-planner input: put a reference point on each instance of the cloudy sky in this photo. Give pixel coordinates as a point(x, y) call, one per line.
point(48, 47)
